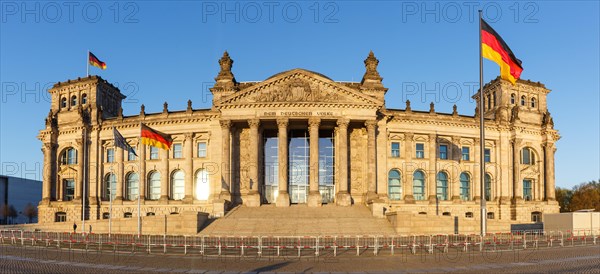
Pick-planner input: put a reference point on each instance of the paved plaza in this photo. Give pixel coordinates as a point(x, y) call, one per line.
point(581, 259)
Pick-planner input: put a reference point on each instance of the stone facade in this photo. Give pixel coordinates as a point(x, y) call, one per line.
point(394, 160)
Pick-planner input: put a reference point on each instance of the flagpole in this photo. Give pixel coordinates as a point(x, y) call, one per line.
point(84, 152)
point(139, 183)
point(87, 64)
point(481, 138)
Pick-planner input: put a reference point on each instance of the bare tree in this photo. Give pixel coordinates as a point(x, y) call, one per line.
point(30, 211)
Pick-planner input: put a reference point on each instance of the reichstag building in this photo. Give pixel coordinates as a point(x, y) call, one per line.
point(298, 137)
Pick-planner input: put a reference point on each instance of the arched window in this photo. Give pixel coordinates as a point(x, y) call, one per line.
point(63, 102)
point(465, 183)
point(133, 180)
point(419, 185)
point(177, 185)
point(73, 100)
point(532, 102)
point(488, 187)
point(127, 215)
point(513, 98)
point(60, 217)
point(202, 189)
point(523, 100)
point(83, 99)
point(527, 156)
point(154, 185)
point(110, 187)
point(442, 186)
point(394, 185)
point(69, 156)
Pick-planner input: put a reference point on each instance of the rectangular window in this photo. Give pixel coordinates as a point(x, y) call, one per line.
point(153, 153)
point(487, 155)
point(465, 153)
point(443, 152)
point(420, 151)
point(110, 155)
point(131, 155)
point(177, 151)
point(527, 190)
point(201, 149)
point(395, 149)
point(69, 190)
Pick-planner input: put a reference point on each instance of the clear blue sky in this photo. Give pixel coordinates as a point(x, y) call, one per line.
point(167, 51)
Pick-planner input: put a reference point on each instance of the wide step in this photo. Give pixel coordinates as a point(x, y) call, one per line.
point(299, 220)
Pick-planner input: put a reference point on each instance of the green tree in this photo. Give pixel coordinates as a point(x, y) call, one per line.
point(563, 197)
point(586, 196)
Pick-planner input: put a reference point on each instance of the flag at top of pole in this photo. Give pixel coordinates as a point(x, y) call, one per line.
point(94, 61)
point(495, 49)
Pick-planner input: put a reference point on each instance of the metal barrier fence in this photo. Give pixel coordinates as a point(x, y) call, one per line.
point(300, 246)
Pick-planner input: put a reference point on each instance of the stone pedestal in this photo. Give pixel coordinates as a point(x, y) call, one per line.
point(378, 209)
point(251, 199)
point(283, 199)
point(314, 199)
point(371, 197)
point(343, 199)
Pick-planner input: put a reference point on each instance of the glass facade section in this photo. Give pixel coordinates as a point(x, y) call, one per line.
point(299, 165)
point(326, 165)
point(270, 166)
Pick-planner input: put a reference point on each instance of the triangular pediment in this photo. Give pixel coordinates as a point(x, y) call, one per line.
point(298, 86)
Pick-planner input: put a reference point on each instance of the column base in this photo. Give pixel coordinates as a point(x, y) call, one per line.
point(456, 200)
point(164, 198)
point(188, 199)
point(283, 199)
point(409, 199)
point(314, 199)
point(225, 195)
point(251, 199)
point(371, 197)
point(431, 199)
point(343, 199)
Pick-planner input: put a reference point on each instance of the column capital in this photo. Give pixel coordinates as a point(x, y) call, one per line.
point(548, 145)
point(432, 137)
point(282, 122)
point(188, 136)
point(517, 141)
point(79, 142)
point(225, 124)
point(343, 122)
point(314, 122)
point(456, 139)
point(370, 124)
point(254, 123)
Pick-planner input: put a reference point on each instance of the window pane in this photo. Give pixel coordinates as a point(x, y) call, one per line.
point(131, 155)
point(487, 155)
point(443, 152)
point(527, 193)
point(488, 187)
point(442, 186)
point(395, 149)
point(394, 186)
point(465, 181)
point(202, 149)
point(110, 155)
point(69, 185)
point(465, 153)
point(420, 151)
point(177, 185)
point(153, 153)
point(419, 185)
point(177, 153)
point(132, 186)
point(154, 186)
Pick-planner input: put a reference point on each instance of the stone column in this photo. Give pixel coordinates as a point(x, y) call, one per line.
point(283, 198)
point(119, 152)
point(225, 194)
point(143, 180)
point(165, 176)
point(342, 197)
point(409, 167)
point(47, 179)
point(188, 146)
point(517, 183)
point(549, 150)
point(371, 160)
point(253, 197)
point(476, 173)
point(431, 179)
point(80, 164)
point(453, 177)
point(314, 196)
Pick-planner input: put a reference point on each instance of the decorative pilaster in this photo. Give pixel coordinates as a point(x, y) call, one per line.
point(283, 198)
point(224, 192)
point(408, 174)
point(80, 166)
point(314, 196)
point(253, 197)
point(143, 180)
point(476, 172)
point(371, 160)
point(188, 145)
point(120, 175)
point(454, 178)
point(164, 174)
point(48, 167)
point(342, 198)
point(431, 179)
point(517, 184)
point(549, 150)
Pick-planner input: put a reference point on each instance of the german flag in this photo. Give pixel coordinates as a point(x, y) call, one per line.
point(94, 61)
point(155, 138)
point(494, 48)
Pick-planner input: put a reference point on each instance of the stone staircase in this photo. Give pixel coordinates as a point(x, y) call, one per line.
point(299, 220)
